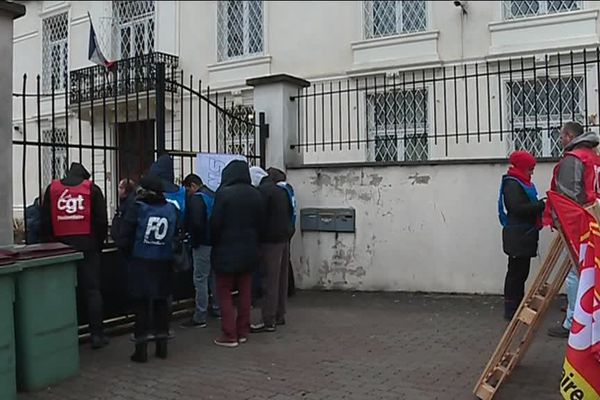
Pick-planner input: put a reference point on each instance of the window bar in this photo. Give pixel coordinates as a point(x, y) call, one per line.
point(349, 114)
point(39, 131)
point(104, 130)
point(93, 142)
point(181, 127)
point(78, 116)
point(477, 102)
point(306, 133)
point(375, 117)
point(200, 116)
point(67, 117)
point(455, 105)
point(315, 117)
point(414, 110)
point(467, 102)
point(208, 120)
point(523, 104)
point(323, 116)
point(560, 102)
point(217, 123)
point(331, 113)
point(53, 133)
point(425, 112)
point(24, 165)
point(573, 84)
point(598, 80)
point(191, 124)
point(500, 121)
point(489, 101)
point(395, 97)
point(435, 135)
point(298, 116)
point(174, 78)
point(445, 110)
point(126, 106)
point(138, 123)
point(547, 95)
point(358, 113)
point(404, 122)
point(340, 111)
point(585, 86)
point(116, 138)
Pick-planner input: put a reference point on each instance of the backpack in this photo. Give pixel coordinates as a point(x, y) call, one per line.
point(209, 202)
point(292, 198)
point(529, 190)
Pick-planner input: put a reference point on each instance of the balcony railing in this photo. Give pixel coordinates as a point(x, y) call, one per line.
point(127, 76)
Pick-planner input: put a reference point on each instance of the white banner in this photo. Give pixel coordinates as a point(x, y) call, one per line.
point(209, 167)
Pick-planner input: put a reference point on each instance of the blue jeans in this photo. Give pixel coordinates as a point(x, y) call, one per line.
point(203, 281)
point(572, 287)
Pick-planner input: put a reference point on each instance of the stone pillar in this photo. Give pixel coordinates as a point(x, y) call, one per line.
point(272, 95)
point(8, 12)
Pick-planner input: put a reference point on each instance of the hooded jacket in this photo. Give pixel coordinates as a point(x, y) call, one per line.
point(278, 212)
point(163, 168)
point(569, 179)
point(76, 175)
point(197, 218)
point(236, 222)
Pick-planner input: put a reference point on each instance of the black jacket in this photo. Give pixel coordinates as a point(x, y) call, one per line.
point(163, 168)
point(196, 218)
point(520, 237)
point(145, 278)
point(236, 222)
point(76, 175)
point(278, 213)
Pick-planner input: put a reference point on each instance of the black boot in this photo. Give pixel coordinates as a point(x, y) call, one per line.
point(141, 353)
point(161, 348)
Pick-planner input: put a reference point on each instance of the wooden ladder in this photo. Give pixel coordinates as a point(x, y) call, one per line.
point(520, 332)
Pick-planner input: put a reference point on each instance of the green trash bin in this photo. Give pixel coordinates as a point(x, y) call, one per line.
point(46, 320)
point(8, 379)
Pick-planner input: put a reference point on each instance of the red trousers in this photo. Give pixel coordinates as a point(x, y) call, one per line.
point(235, 325)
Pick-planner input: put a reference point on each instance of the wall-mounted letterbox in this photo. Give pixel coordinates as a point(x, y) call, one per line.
point(328, 219)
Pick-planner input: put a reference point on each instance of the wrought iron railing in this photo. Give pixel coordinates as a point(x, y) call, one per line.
point(127, 76)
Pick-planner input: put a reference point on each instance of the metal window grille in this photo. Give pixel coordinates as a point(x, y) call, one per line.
point(538, 109)
point(134, 25)
point(385, 18)
point(526, 8)
point(54, 158)
point(235, 135)
point(240, 29)
point(55, 51)
point(398, 125)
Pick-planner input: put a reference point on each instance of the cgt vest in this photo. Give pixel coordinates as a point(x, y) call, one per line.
point(71, 209)
point(591, 169)
point(155, 231)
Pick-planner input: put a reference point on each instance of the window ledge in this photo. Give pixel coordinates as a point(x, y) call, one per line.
point(233, 73)
point(394, 51)
point(544, 32)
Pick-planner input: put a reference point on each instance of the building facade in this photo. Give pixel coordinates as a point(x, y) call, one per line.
point(420, 96)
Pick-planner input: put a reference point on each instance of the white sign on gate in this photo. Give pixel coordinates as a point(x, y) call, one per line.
point(209, 167)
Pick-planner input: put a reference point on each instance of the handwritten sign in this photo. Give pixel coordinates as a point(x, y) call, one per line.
point(209, 167)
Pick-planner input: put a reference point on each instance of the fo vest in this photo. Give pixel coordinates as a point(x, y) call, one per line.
point(71, 209)
point(155, 231)
point(591, 164)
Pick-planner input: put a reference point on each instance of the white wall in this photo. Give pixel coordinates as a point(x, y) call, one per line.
point(426, 228)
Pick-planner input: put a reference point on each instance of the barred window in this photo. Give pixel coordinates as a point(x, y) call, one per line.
point(537, 109)
point(235, 135)
point(55, 51)
point(514, 9)
point(386, 18)
point(397, 122)
point(134, 25)
point(240, 29)
point(54, 162)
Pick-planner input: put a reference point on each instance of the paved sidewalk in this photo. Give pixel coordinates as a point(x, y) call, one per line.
point(335, 346)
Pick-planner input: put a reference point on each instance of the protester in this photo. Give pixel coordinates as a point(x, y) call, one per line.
point(521, 224)
point(575, 177)
point(198, 211)
point(126, 194)
point(74, 213)
point(236, 225)
point(274, 254)
point(33, 222)
point(163, 168)
point(280, 178)
point(257, 174)
point(146, 234)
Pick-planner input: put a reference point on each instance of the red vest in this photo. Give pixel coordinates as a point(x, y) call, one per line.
point(591, 169)
point(71, 208)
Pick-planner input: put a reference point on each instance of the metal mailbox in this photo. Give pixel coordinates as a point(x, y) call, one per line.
point(328, 219)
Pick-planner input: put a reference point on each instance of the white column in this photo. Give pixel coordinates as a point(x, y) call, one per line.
point(8, 12)
point(272, 95)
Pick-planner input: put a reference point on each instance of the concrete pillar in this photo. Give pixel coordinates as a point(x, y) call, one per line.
point(272, 96)
point(8, 12)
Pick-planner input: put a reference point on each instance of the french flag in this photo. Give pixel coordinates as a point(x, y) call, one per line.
point(94, 53)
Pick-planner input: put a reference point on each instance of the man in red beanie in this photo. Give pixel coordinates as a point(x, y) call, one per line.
point(520, 214)
point(576, 177)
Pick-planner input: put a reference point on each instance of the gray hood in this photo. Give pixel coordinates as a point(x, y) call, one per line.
point(588, 139)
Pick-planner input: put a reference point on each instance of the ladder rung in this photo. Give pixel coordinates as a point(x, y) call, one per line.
point(485, 391)
point(527, 315)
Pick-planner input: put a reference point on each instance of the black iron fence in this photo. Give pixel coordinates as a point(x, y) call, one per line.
point(117, 133)
point(480, 110)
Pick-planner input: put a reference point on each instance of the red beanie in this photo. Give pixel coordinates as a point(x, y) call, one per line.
point(522, 160)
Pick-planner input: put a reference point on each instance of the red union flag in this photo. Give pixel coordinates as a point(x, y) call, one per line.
point(581, 369)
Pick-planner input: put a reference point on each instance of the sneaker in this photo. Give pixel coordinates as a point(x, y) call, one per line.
point(242, 340)
point(258, 328)
point(190, 323)
point(226, 342)
point(559, 332)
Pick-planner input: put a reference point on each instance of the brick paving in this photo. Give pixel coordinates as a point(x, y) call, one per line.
point(336, 345)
